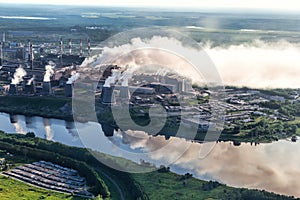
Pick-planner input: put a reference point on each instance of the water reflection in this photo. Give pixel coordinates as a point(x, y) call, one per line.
point(274, 167)
point(70, 126)
point(30, 122)
point(48, 135)
point(17, 124)
point(51, 129)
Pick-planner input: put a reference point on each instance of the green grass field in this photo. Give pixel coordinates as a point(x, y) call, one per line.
point(169, 186)
point(13, 189)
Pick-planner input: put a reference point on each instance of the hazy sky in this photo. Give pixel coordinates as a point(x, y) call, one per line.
point(292, 5)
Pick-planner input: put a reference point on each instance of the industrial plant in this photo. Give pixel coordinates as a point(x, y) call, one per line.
point(38, 69)
point(51, 69)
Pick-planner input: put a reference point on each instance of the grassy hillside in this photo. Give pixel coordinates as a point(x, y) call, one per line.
point(167, 185)
point(13, 189)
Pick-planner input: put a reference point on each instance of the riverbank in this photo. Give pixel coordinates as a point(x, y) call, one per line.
point(61, 108)
point(48, 107)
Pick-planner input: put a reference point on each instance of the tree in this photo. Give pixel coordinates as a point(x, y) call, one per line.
point(30, 134)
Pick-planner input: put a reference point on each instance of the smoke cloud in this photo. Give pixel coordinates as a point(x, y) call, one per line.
point(125, 77)
point(257, 64)
point(73, 78)
point(18, 76)
point(49, 72)
point(113, 78)
point(30, 81)
point(141, 54)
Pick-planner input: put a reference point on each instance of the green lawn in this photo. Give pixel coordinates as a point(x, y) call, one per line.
point(168, 186)
point(13, 189)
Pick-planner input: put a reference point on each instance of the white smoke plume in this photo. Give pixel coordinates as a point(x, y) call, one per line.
point(30, 80)
point(258, 64)
point(125, 77)
point(113, 78)
point(18, 76)
point(73, 78)
point(48, 131)
point(141, 54)
point(49, 72)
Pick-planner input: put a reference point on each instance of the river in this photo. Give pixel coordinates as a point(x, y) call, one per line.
point(274, 167)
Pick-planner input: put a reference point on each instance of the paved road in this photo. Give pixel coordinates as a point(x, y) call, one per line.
point(121, 193)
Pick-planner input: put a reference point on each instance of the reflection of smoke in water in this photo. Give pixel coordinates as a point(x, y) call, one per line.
point(19, 128)
point(243, 166)
point(49, 134)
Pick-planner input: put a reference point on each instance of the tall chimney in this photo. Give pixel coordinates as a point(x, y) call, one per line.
point(3, 37)
point(13, 89)
point(31, 56)
point(68, 90)
point(1, 54)
point(81, 52)
point(61, 51)
point(107, 95)
point(89, 47)
point(46, 90)
point(28, 51)
point(70, 47)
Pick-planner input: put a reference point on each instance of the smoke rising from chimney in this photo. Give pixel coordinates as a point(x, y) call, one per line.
point(113, 78)
point(73, 78)
point(18, 76)
point(125, 77)
point(30, 80)
point(49, 72)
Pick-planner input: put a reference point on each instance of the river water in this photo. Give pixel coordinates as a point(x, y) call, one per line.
point(274, 167)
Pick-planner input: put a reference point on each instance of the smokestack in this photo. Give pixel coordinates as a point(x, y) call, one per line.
point(81, 52)
point(31, 56)
point(61, 51)
point(18, 77)
point(1, 54)
point(49, 72)
point(69, 84)
point(68, 90)
point(29, 85)
point(12, 89)
point(124, 90)
point(107, 95)
point(89, 47)
point(124, 93)
point(46, 82)
point(28, 50)
point(46, 88)
point(70, 47)
point(3, 37)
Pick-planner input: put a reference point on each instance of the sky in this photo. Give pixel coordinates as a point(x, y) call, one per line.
point(287, 5)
